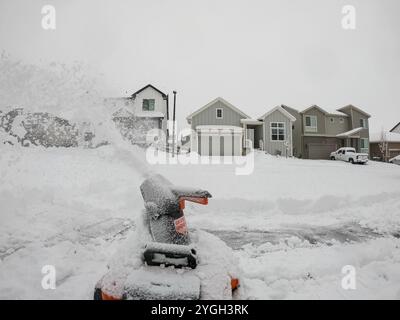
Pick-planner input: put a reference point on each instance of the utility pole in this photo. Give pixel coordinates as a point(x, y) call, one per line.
point(173, 125)
point(167, 142)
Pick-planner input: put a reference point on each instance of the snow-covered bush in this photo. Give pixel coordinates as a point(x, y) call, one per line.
point(39, 129)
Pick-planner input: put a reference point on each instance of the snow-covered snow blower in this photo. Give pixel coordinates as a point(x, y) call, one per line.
point(170, 267)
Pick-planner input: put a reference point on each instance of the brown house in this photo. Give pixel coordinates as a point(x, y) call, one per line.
point(386, 145)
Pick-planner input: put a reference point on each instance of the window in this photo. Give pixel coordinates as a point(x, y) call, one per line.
point(219, 113)
point(332, 120)
point(277, 131)
point(364, 145)
point(341, 120)
point(311, 124)
point(363, 123)
point(148, 104)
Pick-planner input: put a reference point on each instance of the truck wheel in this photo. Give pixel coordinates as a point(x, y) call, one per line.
point(333, 158)
point(351, 161)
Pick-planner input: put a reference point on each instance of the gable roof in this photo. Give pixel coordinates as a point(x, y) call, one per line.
point(385, 136)
point(316, 107)
point(281, 110)
point(219, 99)
point(350, 106)
point(394, 128)
point(133, 96)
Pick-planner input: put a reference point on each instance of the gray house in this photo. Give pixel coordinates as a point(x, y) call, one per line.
point(217, 128)
point(277, 132)
point(317, 132)
point(221, 129)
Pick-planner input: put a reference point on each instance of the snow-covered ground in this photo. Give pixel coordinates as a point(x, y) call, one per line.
point(293, 223)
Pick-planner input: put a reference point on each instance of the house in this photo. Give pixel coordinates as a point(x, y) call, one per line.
point(144, 110)
point(317, 132)
point(221, 129)
point(385, 145)
point(277, 134)
point(217, 129)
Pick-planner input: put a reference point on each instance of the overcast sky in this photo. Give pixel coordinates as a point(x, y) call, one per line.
point(254, 53)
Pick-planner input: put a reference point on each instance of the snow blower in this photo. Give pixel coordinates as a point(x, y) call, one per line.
point(170, 266)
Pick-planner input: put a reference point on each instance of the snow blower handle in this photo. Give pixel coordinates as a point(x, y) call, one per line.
point(192, 195)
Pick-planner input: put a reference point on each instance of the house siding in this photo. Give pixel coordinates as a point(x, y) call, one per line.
point(297, 132)
point(277, 147)
point(321, 127)
point(208, 116)
point(336, 127)
point(356, 116)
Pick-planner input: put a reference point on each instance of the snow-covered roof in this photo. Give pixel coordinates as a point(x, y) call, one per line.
point(349, 133)
point(223, 101)
point(387, 136)
point(350, 106)
point(281, 110)
point(150, 114)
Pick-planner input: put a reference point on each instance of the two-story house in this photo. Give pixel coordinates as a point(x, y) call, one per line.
point(144, 110)
point(317, 132)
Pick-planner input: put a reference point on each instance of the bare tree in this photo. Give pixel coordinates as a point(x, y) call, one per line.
point(384, 146)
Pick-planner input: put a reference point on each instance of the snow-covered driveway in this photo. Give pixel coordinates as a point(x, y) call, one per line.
point(294, 223)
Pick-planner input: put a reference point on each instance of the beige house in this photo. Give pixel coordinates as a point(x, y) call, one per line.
point(317, 132)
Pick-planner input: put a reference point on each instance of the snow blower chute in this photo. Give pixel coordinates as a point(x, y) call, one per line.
point(171, 249)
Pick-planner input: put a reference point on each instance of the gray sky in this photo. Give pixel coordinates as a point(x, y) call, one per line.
point(255, 53)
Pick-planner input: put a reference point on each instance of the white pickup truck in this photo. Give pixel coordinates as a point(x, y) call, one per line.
point(349, 155)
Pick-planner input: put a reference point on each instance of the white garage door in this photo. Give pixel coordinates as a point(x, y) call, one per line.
point(220, 141)
point(204, 145)
point(220, 145)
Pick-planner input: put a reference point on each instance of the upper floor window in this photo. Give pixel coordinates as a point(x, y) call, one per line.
point(148, 104)
point(341, 120)
point(311, 124)
point(278, 131)
point(332, 120)
point(219, 113)
point(363, 123)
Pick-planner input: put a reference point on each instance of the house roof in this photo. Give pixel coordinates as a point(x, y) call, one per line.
point(387, 136)
point(316, 107)
point(281, 110)
point(133, 96)
point(350, 106)
point(395, 127)
point(349, 133)
point(219, 99)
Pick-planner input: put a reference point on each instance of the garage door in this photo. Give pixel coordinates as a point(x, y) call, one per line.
point(320, 150)
point(220, 145)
